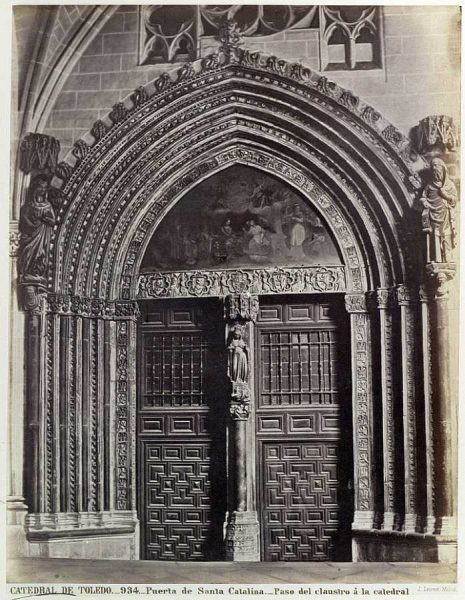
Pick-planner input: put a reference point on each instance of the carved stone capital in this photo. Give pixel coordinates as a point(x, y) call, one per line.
point(32, 299)
point(39, 152)
point(356, 303)
point(239, 407)
point(436, 132)
point(439, 275)
point(382, 298)
point(404, 295)
point(241, 306)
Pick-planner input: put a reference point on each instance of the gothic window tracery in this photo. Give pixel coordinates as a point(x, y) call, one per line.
point(350, 37)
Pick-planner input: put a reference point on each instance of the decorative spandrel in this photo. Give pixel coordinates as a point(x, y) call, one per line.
point(240, 218)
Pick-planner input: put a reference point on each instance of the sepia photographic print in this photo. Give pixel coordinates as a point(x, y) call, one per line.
point(234, 290)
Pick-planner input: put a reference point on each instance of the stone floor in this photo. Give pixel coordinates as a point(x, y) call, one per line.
point(53, 570)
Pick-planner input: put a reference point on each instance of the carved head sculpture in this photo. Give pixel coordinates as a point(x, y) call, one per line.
point(438, 172)
point(39, 189)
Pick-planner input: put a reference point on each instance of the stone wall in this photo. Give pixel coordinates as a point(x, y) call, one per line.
point(421, 75)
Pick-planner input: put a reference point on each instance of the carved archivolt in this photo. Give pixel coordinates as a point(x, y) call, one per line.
point(145, 147)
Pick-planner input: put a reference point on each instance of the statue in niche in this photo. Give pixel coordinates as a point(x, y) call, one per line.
point(36, 221)
point(238, 357)
point(438, 201)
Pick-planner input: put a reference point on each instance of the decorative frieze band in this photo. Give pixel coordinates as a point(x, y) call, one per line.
point(244, 281)
point(67, 304)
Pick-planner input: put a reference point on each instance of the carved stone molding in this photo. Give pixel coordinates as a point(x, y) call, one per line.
point(68, 304)
point(39, 152)
point(436, 132)
point(245, 282)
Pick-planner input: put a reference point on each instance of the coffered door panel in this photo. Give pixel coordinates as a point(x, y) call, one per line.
point(302, 488)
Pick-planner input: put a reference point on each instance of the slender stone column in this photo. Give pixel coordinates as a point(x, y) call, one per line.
point(407, 317)
point(385, 321)
point(425, 299)
point(362, 408)
point(444, 411)
point(242, 532)
point(16, 507)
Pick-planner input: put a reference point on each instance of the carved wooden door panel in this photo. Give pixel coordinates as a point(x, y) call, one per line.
point(181, 432)
point(303, 462)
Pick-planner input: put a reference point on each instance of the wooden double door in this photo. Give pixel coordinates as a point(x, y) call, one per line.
point(301, 429)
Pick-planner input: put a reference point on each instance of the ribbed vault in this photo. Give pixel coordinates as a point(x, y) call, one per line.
point(353, 167)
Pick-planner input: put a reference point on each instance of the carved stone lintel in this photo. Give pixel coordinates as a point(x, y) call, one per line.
point(39, 152)
point(242, 282)
point(241, 306)
point(436, 132)
point(356, 303)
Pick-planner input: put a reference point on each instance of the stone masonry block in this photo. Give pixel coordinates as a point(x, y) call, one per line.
point(429, 44)
point(84, 82)
point(122, 80)
point(130, 61)
point(115, 24)
point(96, 99)
point(70, 119)
point(400, 63)
point(66, 100)
point(393, 45)
point(301, 34)
point(100, 64)
point(131, 22)
point(285, 49)
point(119, 43)
point(95, 46)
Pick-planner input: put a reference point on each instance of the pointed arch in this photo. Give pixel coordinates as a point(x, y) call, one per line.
point(168, 136)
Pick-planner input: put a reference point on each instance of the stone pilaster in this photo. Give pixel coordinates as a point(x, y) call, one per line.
point(242, 530)
point(405, 300)
point(362, 404)
point(15, 502)
point(384, 305)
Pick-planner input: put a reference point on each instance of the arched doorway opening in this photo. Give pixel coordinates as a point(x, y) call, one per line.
point(297, 449)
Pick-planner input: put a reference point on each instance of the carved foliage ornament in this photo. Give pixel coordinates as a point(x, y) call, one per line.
point(437, 131)
point(241, 306)
point(39, 152)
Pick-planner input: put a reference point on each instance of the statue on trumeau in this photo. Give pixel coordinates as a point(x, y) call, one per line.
point(238, 357)
point(36, 221)
point(438, 201)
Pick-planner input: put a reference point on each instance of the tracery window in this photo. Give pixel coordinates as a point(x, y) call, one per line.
point(349, 37)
